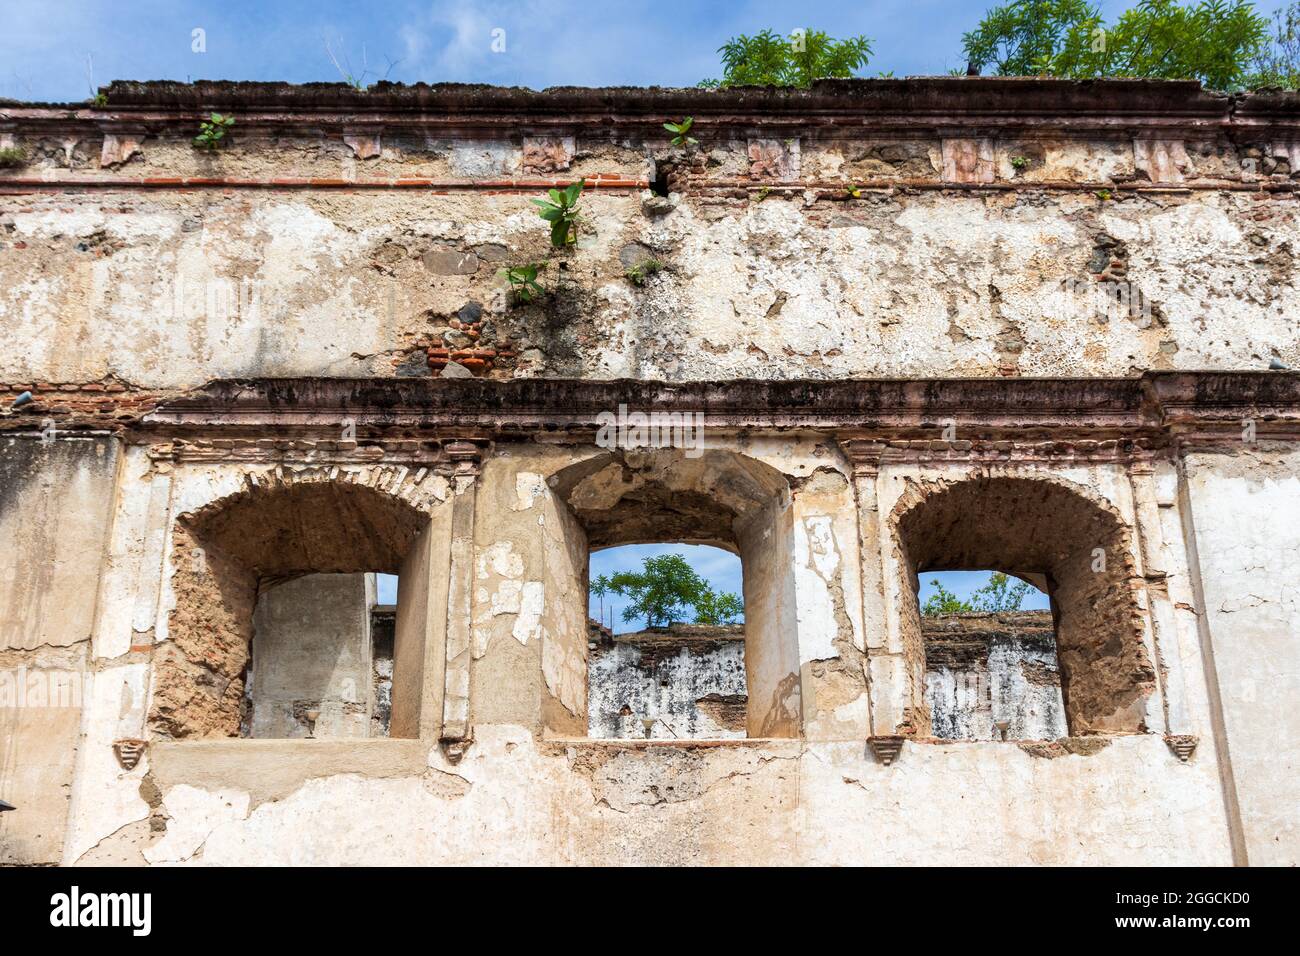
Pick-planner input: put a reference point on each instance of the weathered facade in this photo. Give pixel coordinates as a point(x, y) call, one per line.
point(925, 324)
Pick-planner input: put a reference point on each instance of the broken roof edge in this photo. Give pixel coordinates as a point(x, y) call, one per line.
point(921, 95)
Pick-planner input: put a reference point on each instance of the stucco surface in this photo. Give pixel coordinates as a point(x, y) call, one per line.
point(295, 354)
point(1250, 565)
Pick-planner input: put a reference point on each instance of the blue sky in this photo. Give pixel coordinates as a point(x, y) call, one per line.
point(722, 570)
point(57, 50)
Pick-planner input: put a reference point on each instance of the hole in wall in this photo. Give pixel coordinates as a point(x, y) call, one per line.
point(1065, 541)
point(260, 575)
point(694, 496)
point(666, 643)
point(321, 657)
point(991, 668)
point(659, 185)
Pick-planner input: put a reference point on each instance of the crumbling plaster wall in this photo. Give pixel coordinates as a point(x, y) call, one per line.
point(142, 584)
point(515, 799)
point(1244, 504)
point(575, 801)
point(54, 523)
point(986, 669)
point(766, 277)
point(168, 289)
point(1104, 491)
point(312, 653)
point(802, 583)
point(687, 681)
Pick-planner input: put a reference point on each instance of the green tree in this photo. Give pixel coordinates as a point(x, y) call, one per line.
point(1021, 38)
point(1214, 41)
point(713, 608)
point(1278, 61)
point(665, 590)
point(601, 587)
point(1000, 594)
point(769, 59)
point(997, 596)
point(943, 601)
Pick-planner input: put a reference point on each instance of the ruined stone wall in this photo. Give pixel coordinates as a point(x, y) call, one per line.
point(1045, 245)
point(312, 655)
point(687, 681)
point(1250, 558)
point(833, 262)
point(986, 674)
point(55, 512)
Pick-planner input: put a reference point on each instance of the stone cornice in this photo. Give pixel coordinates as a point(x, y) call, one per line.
point(947, 105)
point(1111, 416)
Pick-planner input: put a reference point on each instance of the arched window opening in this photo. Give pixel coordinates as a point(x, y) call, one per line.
point(1073, 548)
point(288, 621)
point(719, 499)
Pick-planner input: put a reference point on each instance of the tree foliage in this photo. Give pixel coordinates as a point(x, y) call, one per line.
point(1021, 38)
point(713, 608)
point(769, 59)
point(1278, 62)
point(995, 597)
point(1214, 41)
point(665, 590)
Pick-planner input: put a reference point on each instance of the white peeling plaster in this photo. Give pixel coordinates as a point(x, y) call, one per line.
point(105, 797)
point(192, 815)
point(817, 560)
point(532, 604)
point(529, 486)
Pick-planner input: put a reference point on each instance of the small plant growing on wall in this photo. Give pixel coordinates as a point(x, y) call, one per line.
point(642, 271)
point(524, 287)
point(1019, 163)
point(562, 213)
point(213, 130)
point(852, 191)
point(12, 158)
point(680, 131)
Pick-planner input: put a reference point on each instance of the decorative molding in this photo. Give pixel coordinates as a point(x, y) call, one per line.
point(1182, 745)
point(1114, 109)
point(128, 751)
point(1039, 418)
point(886, 747)
point(454, 748)
point(465, 457)
point(308, 455)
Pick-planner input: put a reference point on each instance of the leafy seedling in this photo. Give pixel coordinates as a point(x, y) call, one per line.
point(213, 130)
point(562, 213)
point(681, 130)
point(642, 271)
point(524, 286)
point(12, 158)
point(1019, 162)
point(853, 191)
